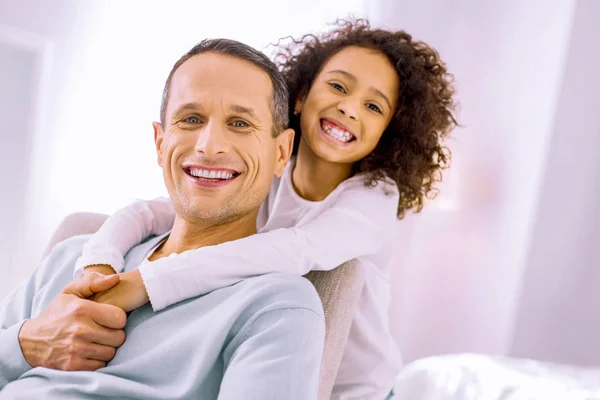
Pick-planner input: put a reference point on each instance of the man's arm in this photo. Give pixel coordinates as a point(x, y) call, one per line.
point(278, 356)
point(70, 334)
point(14, 310)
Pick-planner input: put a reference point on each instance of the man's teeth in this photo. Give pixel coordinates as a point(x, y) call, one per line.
point(210, 174)
point(338, 134)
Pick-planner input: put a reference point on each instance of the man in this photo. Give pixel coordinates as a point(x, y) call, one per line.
point(259, 339)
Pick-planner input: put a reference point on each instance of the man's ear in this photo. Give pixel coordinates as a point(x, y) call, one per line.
point(285, 145)
point(158, 140)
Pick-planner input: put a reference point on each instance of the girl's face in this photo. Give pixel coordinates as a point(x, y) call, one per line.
point(349, 105)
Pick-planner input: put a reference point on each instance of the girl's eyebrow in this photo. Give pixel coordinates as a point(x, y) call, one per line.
point(372, 89)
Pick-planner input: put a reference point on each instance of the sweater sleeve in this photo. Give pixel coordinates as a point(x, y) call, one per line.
point(277, 352)
point(279, 357)
point(124, 230)
point(15, 309)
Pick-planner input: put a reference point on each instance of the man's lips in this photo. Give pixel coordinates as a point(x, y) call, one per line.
point(210, 176)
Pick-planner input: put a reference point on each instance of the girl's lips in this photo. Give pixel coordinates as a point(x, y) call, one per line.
point(331, 139)
point(334, 123)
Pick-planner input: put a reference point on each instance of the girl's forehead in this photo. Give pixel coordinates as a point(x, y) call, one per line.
point(363, 66)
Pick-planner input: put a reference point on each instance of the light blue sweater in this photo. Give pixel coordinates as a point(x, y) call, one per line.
point(259, 339)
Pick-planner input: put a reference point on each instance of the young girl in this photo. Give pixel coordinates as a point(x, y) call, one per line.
point(370, 109)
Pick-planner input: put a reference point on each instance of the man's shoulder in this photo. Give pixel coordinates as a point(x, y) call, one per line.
point(70, 248)
point(73, 243)
point(56, 270)
point(278, 291)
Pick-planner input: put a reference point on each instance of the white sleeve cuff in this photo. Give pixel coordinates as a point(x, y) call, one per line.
point(110, 257)
point(154, 289)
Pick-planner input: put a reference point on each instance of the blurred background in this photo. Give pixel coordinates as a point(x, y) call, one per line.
point(504, 262)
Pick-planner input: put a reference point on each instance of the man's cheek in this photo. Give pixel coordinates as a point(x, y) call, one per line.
point(256, 166)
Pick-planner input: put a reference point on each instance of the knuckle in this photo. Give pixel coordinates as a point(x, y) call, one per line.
point(80, 331)
point(77, 308)
point(72, 350)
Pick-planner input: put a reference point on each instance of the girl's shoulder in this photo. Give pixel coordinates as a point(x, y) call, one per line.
point(363, 183)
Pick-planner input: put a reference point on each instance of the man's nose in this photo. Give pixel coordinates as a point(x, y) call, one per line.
point(212, 140)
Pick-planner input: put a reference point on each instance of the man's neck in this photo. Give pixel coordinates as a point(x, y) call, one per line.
point(187, 235)
point(314, 178)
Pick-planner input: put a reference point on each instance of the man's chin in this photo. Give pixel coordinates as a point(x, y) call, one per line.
point(207, 208)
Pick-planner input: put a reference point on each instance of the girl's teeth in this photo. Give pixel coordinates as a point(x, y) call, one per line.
point(338, 134)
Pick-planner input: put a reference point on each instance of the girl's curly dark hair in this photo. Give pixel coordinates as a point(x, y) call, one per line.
point(410, 150)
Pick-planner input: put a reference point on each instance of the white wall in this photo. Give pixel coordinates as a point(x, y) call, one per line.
point(46, 29)
point(17, 91)
point(94, 149)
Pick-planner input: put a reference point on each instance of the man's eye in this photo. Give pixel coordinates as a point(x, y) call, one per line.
point(192, 120)
point(240, 124)
point(337, 87)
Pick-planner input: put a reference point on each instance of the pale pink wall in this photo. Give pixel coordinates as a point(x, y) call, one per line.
point(559, 318)
point(459, 273)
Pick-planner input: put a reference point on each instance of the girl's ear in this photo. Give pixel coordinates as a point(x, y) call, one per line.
point(300, 101)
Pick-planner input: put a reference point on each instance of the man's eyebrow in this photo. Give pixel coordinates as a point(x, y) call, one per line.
point(188, 107)
point(374, 90)
point(237, 108)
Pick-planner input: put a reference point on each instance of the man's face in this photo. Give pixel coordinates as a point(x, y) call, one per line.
point(216, 147)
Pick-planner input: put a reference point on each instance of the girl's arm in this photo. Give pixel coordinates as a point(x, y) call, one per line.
point(359, 224)
point(124, 230)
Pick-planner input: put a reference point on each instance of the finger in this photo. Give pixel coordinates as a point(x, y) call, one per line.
point(104, 298)
point(100, 352)
point(104, 336)
point(83, 287)
point(102, 283)
point(91, 365)
point(107, 315)
point(91, 283)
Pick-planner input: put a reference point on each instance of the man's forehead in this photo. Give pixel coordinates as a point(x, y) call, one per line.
point(211, 77)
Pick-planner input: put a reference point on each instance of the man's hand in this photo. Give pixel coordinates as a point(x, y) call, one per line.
point(129, 294)
point(74, 333)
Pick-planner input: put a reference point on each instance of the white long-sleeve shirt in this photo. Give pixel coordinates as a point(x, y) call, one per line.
point(294, 236)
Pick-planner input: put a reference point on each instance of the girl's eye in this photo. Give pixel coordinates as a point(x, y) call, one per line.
point(374, 108)
point(337, 87)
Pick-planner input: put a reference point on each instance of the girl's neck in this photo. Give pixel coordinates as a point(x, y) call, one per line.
point(314, 178)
